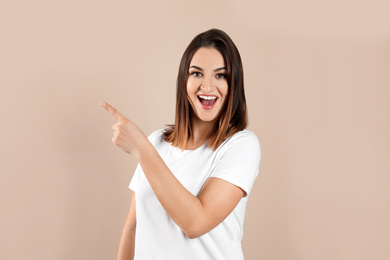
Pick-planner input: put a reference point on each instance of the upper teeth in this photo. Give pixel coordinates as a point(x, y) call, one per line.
point(208, 97)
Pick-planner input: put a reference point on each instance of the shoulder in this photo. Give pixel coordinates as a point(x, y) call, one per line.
point(243, 144)
point(244, 135)
point(157, 136)
point(244, 138)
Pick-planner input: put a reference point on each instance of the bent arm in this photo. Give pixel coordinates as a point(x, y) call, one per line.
point(127, 241)
point(194, 215)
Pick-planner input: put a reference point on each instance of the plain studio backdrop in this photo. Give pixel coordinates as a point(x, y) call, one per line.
point(317, 86)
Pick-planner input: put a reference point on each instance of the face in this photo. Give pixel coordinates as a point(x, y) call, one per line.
point(207, 85)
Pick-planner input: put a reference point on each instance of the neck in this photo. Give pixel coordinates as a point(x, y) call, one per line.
point(201, 131)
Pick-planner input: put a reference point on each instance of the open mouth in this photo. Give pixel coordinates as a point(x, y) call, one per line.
point(207, 101)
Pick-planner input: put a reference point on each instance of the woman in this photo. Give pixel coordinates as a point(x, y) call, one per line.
point(193, 179)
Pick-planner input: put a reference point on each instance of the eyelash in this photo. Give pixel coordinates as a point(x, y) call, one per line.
point(221, 76)
point(198, 74)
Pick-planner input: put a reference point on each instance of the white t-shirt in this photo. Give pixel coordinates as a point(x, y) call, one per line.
point(236, 160)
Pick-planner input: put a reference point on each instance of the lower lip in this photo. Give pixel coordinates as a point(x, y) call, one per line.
point(207, 107)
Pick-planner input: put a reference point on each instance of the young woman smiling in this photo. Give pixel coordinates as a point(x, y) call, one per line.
point(193, 179)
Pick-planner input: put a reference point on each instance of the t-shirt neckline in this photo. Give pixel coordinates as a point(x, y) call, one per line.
point(190, 151)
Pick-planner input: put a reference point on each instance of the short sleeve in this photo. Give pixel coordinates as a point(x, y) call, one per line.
point(135, 180)
point(239, 161)
point(138, 171)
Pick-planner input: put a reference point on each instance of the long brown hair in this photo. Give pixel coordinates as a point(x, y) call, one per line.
point(233, 117)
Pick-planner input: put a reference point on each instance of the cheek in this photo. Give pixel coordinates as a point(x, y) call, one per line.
point(190, 87)
point(224, 89)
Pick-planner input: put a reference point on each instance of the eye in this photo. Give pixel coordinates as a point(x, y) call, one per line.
point(221, 76)
point(196, 74)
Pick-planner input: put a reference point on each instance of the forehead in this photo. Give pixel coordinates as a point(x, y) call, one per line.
point(207, 58)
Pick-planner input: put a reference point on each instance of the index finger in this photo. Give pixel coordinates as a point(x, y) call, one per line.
point(113, 111)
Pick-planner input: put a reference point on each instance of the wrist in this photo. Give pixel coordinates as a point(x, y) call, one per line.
point(143, 149)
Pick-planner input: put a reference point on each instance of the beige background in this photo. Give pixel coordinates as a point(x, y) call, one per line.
point(318, 87)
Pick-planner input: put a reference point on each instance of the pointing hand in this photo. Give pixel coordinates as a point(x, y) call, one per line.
point(127, 135)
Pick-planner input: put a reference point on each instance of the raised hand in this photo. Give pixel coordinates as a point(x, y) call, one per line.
point(127, 135)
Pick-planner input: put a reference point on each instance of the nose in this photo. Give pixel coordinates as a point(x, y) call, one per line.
point(207, 85)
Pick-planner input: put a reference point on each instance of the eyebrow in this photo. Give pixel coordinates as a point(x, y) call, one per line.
point(199, 68)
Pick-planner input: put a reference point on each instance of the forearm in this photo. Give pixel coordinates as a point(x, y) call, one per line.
point(183, 207)
point(126, 245)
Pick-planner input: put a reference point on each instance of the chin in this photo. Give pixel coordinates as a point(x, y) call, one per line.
point(208, 118)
